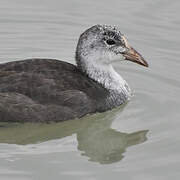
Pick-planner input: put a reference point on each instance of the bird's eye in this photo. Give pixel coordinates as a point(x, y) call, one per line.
point(110, 42)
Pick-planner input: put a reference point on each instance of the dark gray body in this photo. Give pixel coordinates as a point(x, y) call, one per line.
point(38, 90)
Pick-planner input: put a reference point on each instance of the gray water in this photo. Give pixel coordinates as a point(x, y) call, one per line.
point(138, 141)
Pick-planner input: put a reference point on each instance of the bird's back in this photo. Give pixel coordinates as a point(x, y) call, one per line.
point(46, 90)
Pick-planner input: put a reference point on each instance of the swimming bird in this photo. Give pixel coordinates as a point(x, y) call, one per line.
point(44, 90)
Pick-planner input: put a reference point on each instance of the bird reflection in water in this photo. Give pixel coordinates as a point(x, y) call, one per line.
point(96, 139)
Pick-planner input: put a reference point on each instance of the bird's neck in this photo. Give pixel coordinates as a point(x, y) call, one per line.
point(108, 78)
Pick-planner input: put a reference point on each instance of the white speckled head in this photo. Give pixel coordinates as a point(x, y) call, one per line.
point(104, 43)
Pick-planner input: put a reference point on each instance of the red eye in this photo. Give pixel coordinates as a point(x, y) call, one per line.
point(110, 42)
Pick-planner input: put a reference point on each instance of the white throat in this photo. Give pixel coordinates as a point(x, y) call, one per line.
point(107, 77)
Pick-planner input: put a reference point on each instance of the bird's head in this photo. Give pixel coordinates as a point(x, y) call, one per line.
point(102, 45)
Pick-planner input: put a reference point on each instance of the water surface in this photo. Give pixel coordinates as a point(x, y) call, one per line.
point(138, 141)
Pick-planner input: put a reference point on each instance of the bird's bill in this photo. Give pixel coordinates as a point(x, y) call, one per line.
point(132, 55)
